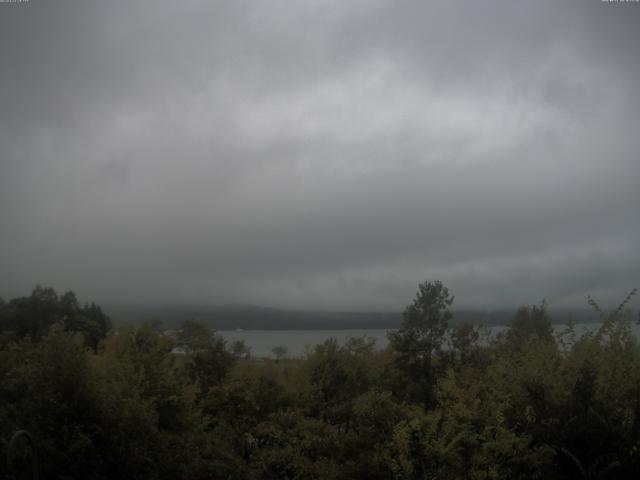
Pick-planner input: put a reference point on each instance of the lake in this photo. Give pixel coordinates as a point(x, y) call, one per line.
point(262, 341)
point(296, 341)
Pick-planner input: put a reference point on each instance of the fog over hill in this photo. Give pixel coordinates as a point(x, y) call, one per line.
point(250, 317)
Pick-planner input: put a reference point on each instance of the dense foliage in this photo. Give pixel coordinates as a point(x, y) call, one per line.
point(439, 402)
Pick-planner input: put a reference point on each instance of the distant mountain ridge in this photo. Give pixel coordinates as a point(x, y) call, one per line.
point(251, 317)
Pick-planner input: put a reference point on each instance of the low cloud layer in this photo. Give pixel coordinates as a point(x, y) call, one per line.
point(320, 154)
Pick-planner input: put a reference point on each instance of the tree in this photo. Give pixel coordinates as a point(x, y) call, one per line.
point(420, 336)
point(239, 349)
point(33, 316)
point(90, 321)
point(338, 375)
point(208, 360)
point(464, 342)
point(193, 336)
point(280, 351)
point(530, 322)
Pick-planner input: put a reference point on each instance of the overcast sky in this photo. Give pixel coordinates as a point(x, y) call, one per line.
point(320, 154)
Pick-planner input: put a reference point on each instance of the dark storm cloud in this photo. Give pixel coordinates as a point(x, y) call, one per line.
point(320, 154)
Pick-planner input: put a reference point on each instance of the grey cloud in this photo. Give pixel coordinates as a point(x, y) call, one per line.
point(320, 154)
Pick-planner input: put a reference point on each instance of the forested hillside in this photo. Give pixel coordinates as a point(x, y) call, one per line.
point(437, 403)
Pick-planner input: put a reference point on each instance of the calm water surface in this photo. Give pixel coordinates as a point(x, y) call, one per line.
point(296, 341)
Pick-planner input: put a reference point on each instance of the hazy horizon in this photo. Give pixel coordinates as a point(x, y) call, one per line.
point(238, 305)
point(320, 155)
